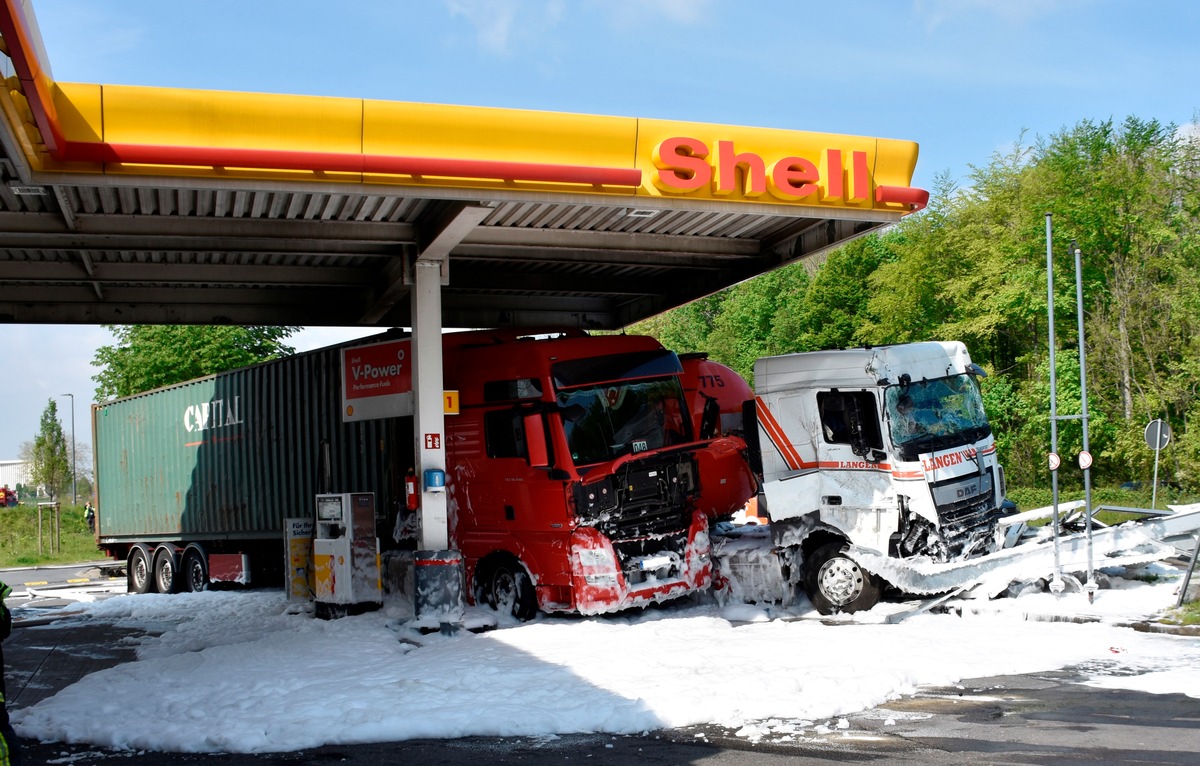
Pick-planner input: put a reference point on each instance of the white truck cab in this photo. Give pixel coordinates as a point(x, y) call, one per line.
point(886, 449)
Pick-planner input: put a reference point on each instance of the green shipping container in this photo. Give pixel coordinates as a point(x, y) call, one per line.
point(227, 458)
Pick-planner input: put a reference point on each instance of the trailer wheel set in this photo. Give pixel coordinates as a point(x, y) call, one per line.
point(167, 568)
point(139, 570)
point(195, 570)
point(164, 570)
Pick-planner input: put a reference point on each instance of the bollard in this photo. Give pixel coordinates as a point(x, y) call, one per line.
point(439, 589)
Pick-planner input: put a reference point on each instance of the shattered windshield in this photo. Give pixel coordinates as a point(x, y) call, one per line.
point(937, 414)
point(607, 421)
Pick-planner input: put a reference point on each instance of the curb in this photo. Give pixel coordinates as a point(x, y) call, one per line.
point(1191, 631)
point(36, 567)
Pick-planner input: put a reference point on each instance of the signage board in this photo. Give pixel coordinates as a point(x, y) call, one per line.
point(377, 381)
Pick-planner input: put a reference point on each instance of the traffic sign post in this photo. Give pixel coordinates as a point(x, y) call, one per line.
point(1056, 582)
point(1158, 435)
point(1091, 586)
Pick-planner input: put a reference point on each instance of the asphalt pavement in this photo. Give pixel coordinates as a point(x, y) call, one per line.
point(1039, 718)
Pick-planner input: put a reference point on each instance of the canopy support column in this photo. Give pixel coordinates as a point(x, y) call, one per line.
point(439, 576)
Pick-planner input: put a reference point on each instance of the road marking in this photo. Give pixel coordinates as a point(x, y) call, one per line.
point(79, 579)
point(42, 582)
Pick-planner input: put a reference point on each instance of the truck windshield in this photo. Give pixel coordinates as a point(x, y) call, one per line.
point(604, 422)
point(935, 414)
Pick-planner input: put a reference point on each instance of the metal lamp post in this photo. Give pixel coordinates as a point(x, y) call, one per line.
point(74, 493)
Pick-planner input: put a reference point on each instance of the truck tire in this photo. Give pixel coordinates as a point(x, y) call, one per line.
point(165, 571)
point(141, 577)
point(194, 572)
point(508, 589)
point(836, 583)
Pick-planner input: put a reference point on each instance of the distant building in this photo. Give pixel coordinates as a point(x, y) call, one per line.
point(14, 472)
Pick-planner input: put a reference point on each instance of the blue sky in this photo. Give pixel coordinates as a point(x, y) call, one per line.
point(963, 78)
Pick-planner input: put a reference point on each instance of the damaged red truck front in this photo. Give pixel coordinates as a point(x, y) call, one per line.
point(578, 481)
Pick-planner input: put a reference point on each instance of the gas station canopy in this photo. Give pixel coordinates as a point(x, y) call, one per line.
point(128, 205)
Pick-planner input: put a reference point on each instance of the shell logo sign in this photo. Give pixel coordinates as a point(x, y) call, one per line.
point(687, 164)
point(800, 168)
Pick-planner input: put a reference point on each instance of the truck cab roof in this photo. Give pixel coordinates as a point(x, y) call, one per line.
point(861, 367)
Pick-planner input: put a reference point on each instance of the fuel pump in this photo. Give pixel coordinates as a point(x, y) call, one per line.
point(346, 555)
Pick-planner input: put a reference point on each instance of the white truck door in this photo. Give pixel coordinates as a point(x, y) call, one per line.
point(856, 493)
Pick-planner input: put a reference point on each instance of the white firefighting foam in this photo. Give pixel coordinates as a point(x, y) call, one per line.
point(253, 672)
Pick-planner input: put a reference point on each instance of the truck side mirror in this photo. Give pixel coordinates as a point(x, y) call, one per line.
point(858, 438)
point(536, 448)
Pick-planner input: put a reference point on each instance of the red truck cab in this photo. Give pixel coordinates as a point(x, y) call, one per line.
point(577, 480)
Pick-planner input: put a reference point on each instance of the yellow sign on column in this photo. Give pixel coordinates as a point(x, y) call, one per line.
point(300, 575)
point(450, 402)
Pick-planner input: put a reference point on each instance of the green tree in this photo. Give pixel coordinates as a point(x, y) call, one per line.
point(832, 307)
point(146, 357)
point(684, 329)
point(972, 268)
point(967, 268)
point(744, 329)
point(1128, 194)
point(906, 301)
point(51, 462)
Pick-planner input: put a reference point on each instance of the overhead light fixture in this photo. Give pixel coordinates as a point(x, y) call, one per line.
point(641, 212)
point(29, 191)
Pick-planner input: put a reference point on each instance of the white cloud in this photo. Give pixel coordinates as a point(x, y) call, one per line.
point(626, 13)
point(494, 21)
point(1015, 12)
point(684, 11)
point(310, 338)
point(45, 363)
point(1189, 133)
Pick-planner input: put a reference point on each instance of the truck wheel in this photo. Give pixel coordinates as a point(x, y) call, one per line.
point(140, 580)
point(164, 571)
point(194, 572)
point(836, 583)
point(509, 590)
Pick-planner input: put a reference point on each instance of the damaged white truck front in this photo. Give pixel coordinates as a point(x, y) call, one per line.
point(878, 468)
point(883, 451)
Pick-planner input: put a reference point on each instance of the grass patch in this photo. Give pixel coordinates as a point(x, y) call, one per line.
point(1188, 614)
point(1027, 499)
point(19, 537)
